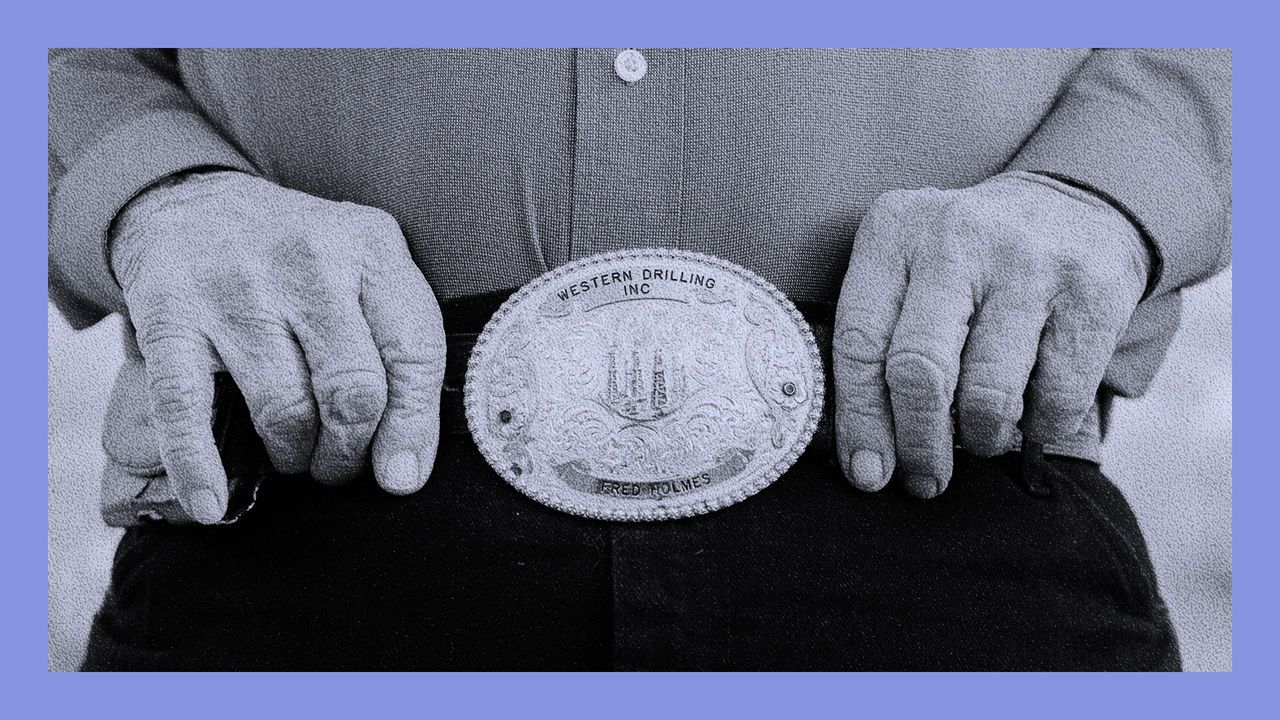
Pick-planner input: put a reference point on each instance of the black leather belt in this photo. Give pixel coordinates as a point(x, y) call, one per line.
point(245, 460)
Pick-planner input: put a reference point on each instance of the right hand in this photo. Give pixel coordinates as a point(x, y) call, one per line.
point(315, 308)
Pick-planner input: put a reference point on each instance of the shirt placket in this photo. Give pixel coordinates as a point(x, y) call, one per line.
point(628, 187)
point(629, 150)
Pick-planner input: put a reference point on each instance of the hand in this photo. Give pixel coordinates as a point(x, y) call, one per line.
point(132, 465)
point(315, 308)
point(1021, 285)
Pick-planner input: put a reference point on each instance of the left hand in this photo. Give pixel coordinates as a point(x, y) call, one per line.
point(1019, 285)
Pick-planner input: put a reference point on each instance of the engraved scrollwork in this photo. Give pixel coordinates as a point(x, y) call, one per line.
point(710, 297)
point(628, 386)
point(512, 388)
point(777, 370)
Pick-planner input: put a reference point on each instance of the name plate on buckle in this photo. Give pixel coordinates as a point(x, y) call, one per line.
point(644, 384)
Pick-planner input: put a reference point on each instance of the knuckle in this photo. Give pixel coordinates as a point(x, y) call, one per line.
point(353, 397)
point(855, 341)
point(158, 324)
point(913, 449)
point(986, 419)
point(326, 313)
point(228, 282)
point(300, 244)
point(1087, 276)
point(1063, 408)
point(415, 351)
point(1020, 259)
point(173, 400)
point(915, 456)
point(303, 255)
point(286, 413)
point(258, 321)
point(148, 295)
point(988, 404)
point(858, 353)
point(917, 379)
point(862, 392)
point(1055, 408)
point(854, 410)
point(414, 384)
point(1092, 301)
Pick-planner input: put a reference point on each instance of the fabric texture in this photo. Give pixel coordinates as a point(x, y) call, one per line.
point(469, 574)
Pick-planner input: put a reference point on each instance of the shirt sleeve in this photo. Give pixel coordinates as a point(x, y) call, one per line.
point(119, 120)
point(1150, 130)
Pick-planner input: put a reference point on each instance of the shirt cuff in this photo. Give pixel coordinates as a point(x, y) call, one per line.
point(108, 175)
point(1130, 159)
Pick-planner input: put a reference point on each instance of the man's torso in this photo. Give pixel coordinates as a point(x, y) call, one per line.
point(502, 164)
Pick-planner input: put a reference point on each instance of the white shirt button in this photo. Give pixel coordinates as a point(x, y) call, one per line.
point(630, 65)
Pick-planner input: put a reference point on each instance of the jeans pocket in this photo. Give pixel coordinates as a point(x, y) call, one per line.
point(1112, 529)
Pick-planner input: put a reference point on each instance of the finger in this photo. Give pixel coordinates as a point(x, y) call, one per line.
point(1079, 338)
point(349, 384)
point(409, 333)
point(870, 300)
point(995, 368)
point(922, 370)
point(864, 323)
point(267, 365)
point(179, 370)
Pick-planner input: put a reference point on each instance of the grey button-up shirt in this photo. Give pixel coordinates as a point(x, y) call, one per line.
point(501, 164)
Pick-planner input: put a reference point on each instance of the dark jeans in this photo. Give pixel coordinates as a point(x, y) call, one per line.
point(809, 574)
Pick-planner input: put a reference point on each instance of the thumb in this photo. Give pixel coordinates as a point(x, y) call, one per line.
point(407, 328)
point(404, 450)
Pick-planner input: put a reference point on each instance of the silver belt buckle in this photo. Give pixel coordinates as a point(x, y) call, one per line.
point(645, 384)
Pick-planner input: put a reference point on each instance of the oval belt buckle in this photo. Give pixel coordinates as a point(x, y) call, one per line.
point(644, 384)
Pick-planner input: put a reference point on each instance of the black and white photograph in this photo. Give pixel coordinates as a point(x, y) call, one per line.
point(640, 359)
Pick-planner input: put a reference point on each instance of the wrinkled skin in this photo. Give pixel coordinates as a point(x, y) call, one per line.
point(315, 308)
point(1004, 301)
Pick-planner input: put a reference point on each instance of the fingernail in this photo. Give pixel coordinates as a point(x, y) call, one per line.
point(924, 486)
point(868, 470)
point(401, 473)
point(206, 507)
